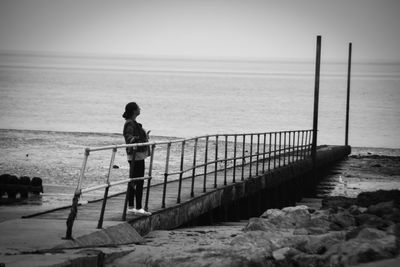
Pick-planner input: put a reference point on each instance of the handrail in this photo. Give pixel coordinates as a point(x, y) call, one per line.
point(203, 156)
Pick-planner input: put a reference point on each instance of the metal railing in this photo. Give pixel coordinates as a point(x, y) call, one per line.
point(215, 160)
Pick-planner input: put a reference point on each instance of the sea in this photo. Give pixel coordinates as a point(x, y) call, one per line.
point(190, 97)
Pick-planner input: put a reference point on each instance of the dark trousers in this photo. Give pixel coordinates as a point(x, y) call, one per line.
point(135, 188)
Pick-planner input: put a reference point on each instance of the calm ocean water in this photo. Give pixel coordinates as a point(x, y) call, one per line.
point(187, 98)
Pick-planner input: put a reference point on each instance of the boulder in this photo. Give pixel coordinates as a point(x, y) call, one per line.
point(381, 208)
point(361, 250)
point(255, 239)
point(371, 233)
point(356, 210)
point(366, 199)
point(371, 220)
point(259, 224)
point(289, 217)
point(342, 220)
point(319, 244)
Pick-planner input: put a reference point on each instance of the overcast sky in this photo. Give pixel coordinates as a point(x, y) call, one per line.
point(204, 28)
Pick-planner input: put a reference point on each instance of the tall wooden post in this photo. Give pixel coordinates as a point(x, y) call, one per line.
point(348, 97)
point(316, 99)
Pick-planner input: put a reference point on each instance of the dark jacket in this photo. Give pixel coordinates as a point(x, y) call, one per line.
point(134, 133)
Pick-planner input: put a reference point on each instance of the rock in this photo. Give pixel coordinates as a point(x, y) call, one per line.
point(284, 253)
point(381, 263)
point(337, 202)
point(381, 208)
point(356, 210)
point(360, 250)
point(342, 220)
point(371, 220)
point(371, 233)
point(283, 256)
point(36, 185)
point(289, 217)
point(394, 216)
point(319, 222)
point(306, 260)
point(319, 244)
point(366, 199)
point(259, 224)
point(254, 239)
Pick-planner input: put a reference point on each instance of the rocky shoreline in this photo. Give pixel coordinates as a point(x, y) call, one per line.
point(345, 231)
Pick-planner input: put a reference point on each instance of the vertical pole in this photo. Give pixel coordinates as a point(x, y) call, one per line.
point(234, 160)
point(103, 206)
point(269, 152)
point(226, 158)
point(194, 167)
point(316, 99)
point(280, 148)
point(146, 206)
point(258, 152)
point(216, 161)
point(348, 96)
point(275, 149)
point(289, 139)
point(251, 154)
point(205, 165)
point(265, 143)
point(298, 146)
point(284, 148)
point(303, 147)
point(243, 155)
point(181, 172)
point(166, 175)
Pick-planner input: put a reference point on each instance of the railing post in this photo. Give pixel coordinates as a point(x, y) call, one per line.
point(316, 100)
point(146, 207)
point(166, 175)
point(216, 161)
point(303, 143)
point(284, 148)
point(265, 143)
point(205, 165)
point(298, 146)
point(289, 147)
point(243, 155)
point(348, 97)
point(251, 154)
point(258, 152)
point(103, 206)
point(226, 158)
point(280, 148)
point(275, 136)
point(310, 142)
point(234, 160)
point(269, 152)
point(181, 172)
point(194, 166)
point(75, 200)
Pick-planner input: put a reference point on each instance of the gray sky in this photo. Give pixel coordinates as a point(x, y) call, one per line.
point(204, 28)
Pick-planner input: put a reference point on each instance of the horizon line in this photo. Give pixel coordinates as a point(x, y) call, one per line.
point(162, 57)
